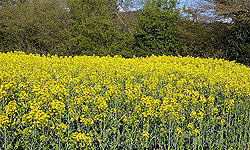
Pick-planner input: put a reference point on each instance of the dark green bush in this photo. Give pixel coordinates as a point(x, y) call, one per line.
point(95, 29)
point(237, 42)
point(157, 31)
point(34, 26)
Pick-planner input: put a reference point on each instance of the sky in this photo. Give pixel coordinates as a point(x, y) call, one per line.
point(187, 2)
point(182, 3)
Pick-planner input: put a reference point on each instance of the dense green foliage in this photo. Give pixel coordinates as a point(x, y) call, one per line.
point(237, 42)
point(234, 35)
point(94, 29)
point(35, 26)
point(97, 27)
point(157, 31)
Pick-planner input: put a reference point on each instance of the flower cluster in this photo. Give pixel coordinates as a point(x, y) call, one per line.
point(112, 97)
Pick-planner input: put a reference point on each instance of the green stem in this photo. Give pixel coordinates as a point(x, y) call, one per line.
point(221, 139)
point(5, 138)
point(59, 142)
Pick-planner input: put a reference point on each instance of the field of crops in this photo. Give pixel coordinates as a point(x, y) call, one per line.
point(83, 102)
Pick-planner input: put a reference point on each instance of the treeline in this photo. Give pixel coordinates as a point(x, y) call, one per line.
point(97, 27)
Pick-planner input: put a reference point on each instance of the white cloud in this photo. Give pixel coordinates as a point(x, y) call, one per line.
point(124, 10)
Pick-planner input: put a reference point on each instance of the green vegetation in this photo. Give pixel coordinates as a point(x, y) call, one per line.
point(97, 27)
point(156, 31)
point(34, 27)
point(94, 29)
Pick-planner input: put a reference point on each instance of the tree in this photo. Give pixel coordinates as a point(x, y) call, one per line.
point(34, 26)
point(233, 9)
point(95, 28)
point(157, 29)
point(236, 40)
point(227, 29)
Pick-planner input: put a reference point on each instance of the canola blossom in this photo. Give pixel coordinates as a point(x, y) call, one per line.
point(91, 102)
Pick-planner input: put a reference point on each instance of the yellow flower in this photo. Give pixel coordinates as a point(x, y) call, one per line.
point(193, 114)
point(203, 99)
point(182, 119)
point(190, 126)
point(99, 139)
point(99, 116)
point(81, 137)
point(229, 104)
point(222, 121)
point(215, 110)
point(57, 106)
point(114, 130)
point(61, 127)
point(4, 120)
point(124, 118)
point(145, 134)
point(37, 118)
point(87, 121)
point(43, 137)
point(178, 130)
point(11, 107)
point(200, 116)
point(211, 99)
point(88, 88)
point(196, 132)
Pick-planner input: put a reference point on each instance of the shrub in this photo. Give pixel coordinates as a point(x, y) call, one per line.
point(157, 31)
point(34, 26)
point(95, 30)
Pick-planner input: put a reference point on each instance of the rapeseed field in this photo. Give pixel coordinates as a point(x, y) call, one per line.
point(90, 102)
